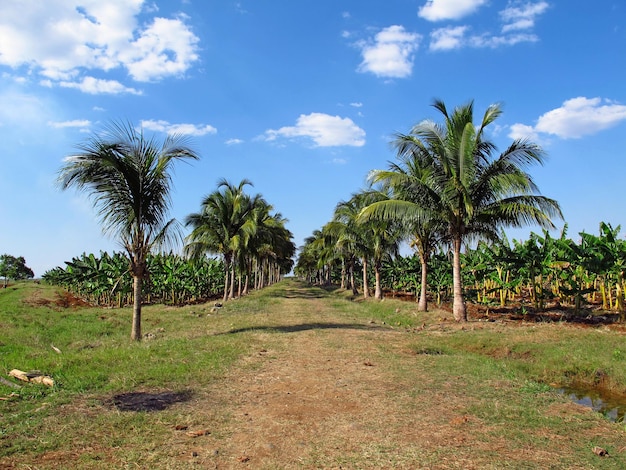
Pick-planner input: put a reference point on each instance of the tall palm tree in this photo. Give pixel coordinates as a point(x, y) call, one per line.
point(351, 241)
point(380, 238)
point(223, 226)
point(317, 257)
point(422, 228)
point(476, 193)
point(128, 176)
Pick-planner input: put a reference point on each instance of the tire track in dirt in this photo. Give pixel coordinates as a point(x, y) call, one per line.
point(319, 394)
point(325, 391)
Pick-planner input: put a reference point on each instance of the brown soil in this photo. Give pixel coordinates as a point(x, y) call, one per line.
point(317, 393)
point(332, 395)
point(61, 300)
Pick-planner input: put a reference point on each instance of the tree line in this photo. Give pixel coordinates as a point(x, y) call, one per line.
point(536, 273)
point(448, 188)
point(128, 177)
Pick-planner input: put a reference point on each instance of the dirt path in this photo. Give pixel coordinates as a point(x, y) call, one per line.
point(323, 394)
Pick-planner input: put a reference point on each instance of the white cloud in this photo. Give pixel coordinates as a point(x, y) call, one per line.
point(166, 48)
point(356, 104)
point(179, 129)
point(390, 54)
point(60, 40)
point(447, 38)
point(75, 123)
point(522, 16)
point(234, 142)
point(576, 118)
point(437, 10)
point(96, 86)
point(517, 20)
point(486, 40)
point(523, 131)
point(325, 130)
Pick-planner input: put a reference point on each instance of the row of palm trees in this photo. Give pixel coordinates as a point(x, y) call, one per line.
point(539, 270)
point(447, 187)
point(253, 242)
point(128, 177)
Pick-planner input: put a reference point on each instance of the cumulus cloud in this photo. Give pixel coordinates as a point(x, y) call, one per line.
point(390, 53)
point(166, 48)
point(447, 38)
point(80, 123)
point(517, 21)
point(179, 129)
point(523, 131)
point(522, 16)
point(95, 86)
point(61, 41)
point(438, 10)
point(325, 131)
point(576, 118)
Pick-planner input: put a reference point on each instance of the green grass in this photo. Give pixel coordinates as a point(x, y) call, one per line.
point(506, 373)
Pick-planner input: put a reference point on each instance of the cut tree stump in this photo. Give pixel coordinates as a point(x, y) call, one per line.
point(32, 377)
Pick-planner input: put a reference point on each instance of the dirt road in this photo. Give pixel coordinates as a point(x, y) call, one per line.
point(325, 393)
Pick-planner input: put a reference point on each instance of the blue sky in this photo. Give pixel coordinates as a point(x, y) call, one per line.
point(302, 98)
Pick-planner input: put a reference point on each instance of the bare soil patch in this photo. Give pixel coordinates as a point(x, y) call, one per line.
point(61, 300)
point(339, 396)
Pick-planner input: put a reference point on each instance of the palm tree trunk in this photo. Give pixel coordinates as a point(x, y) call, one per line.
point(245, 284)
point(226, 279)
point(135, 333)
point(378, 293)
point(352, 281)
point(231, 293)
point(422, 305)
point(458, 304)
point(343, 273)
point(366, 287)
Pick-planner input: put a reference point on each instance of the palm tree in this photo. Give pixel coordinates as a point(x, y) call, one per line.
point(380, 238)
point(475, 193)
point(422, 227)
point(317, 257)
point(350, 239)
point(128, 176)
point(223, 226)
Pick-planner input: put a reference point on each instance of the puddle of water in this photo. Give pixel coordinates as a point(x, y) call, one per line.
point(612, 407)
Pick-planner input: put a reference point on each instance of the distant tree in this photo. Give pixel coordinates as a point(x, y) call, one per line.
point(14, 268)
point(128, 176)
point(223, 226)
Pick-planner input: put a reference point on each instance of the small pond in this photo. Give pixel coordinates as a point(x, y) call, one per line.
point(613, 407)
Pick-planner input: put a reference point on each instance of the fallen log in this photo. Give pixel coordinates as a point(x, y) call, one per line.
point(32, 377)
point(4, 381)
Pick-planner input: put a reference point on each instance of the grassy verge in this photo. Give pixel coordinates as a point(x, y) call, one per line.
point(496, 378)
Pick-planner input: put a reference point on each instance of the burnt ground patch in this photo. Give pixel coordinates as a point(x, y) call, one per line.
point(148, 401)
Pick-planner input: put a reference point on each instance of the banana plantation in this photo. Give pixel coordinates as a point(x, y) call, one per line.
point(106, 280)
point(542, 271)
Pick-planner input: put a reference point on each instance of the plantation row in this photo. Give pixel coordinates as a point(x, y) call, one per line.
point(106, 280)
point(535, 271)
